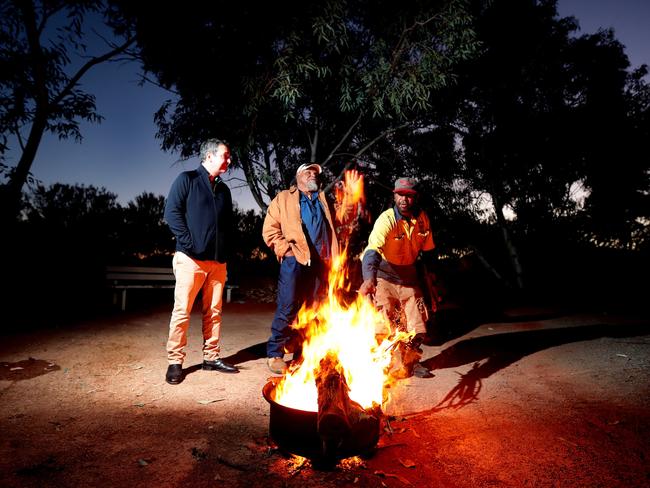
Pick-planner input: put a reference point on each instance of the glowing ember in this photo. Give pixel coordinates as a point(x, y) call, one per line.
point(345, 330)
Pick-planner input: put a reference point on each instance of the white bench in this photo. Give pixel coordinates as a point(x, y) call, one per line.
point(124, 278)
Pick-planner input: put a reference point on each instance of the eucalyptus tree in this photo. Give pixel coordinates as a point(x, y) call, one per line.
point(43, 60)
point(298, 81)
point(539, 113)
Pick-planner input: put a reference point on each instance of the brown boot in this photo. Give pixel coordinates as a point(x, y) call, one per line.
point(276, 365)
point(419, 371)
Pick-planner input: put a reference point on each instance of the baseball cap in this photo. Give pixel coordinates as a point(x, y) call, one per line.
point(406, 186)
point(305, 167)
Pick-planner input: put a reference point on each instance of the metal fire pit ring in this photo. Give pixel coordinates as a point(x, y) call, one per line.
point(296, 432)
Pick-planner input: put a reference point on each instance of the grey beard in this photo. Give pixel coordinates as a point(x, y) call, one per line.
point(312, 186)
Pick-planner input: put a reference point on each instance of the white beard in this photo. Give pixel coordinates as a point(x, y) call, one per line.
point(312, 186)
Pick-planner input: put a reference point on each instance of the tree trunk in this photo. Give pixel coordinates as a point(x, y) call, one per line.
point(252, 182)
point(513, 253)
point(13, 190)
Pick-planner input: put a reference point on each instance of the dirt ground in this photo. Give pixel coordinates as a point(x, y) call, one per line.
point(534, 398)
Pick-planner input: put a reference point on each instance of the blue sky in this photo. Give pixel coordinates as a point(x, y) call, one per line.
point(122, 154)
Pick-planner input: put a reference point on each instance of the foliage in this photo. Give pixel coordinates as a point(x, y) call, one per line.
point(45, 54)
point(81, 221)
point(492, 105)
point(538, 114)
point(144, 235)
point(303, 81)
point(72, 232)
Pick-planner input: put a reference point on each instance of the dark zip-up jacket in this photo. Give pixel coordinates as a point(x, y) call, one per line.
point(200, 219)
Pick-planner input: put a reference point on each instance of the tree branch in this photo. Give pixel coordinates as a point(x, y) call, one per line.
point(145, 79)
point(313, 144)
point(47, 13)
point(84, 69)
point(19, 137)
point(383, 134)
point(400, 44)
point(342, 140)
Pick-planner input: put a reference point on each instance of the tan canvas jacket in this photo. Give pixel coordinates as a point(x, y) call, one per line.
point(283, 226)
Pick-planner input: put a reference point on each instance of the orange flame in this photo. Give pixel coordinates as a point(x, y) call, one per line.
point(346, 330)
point(350, 196)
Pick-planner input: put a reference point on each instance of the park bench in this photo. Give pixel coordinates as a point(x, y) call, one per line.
point(123, 278)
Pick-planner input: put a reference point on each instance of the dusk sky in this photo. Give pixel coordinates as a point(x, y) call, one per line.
point(122, 154)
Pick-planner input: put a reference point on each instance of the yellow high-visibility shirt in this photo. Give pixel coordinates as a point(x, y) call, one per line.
point(400, 239)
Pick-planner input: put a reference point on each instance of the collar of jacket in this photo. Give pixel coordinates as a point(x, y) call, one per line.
point(217, 179)
point(204, 172)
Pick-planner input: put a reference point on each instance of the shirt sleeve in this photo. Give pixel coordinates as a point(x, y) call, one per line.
point(372, 255)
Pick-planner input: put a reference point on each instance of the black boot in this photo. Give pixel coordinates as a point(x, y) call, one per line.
point(416, 368)
point(174, 374)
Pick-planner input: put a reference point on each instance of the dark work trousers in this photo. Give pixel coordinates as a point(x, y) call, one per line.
point(297, 284)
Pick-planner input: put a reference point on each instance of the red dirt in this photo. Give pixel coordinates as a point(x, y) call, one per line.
point(553, 401)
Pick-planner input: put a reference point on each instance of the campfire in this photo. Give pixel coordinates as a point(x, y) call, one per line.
point(330, 404)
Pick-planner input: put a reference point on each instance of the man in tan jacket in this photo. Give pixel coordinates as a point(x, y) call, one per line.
point(299, 228)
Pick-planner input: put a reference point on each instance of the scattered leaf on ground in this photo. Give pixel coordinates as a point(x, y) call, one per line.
point(208, 402)
point(568, 442)
point(407, 463)
point(392, 475)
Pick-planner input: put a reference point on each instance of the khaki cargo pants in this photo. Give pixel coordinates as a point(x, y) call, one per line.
point(390, 296)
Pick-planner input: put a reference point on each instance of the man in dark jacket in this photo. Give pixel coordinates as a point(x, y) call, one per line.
point(199, 213)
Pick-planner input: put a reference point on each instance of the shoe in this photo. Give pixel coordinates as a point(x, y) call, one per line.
point(219, 365)
point(174, 374)
point(421, 372)
point(276, 365)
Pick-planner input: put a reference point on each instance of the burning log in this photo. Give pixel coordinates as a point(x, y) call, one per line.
point(343, 425)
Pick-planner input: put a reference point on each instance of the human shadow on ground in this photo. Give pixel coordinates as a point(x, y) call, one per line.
point(251, 353)
point(492, 353)
point(451, 322)
point(192, 369)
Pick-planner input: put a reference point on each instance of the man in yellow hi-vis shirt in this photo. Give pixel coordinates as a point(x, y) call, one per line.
point(388, 263)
